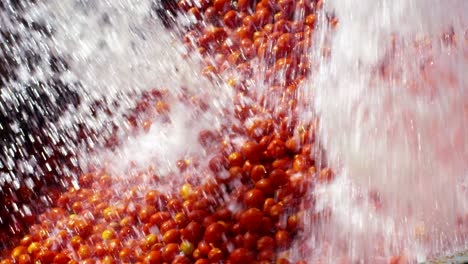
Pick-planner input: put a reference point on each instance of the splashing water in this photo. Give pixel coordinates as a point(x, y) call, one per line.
point(112, 52)
point(391, 97)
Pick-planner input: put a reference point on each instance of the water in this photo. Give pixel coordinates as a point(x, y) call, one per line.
point(392, 115)
point(110, 53)
point(392, 100)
